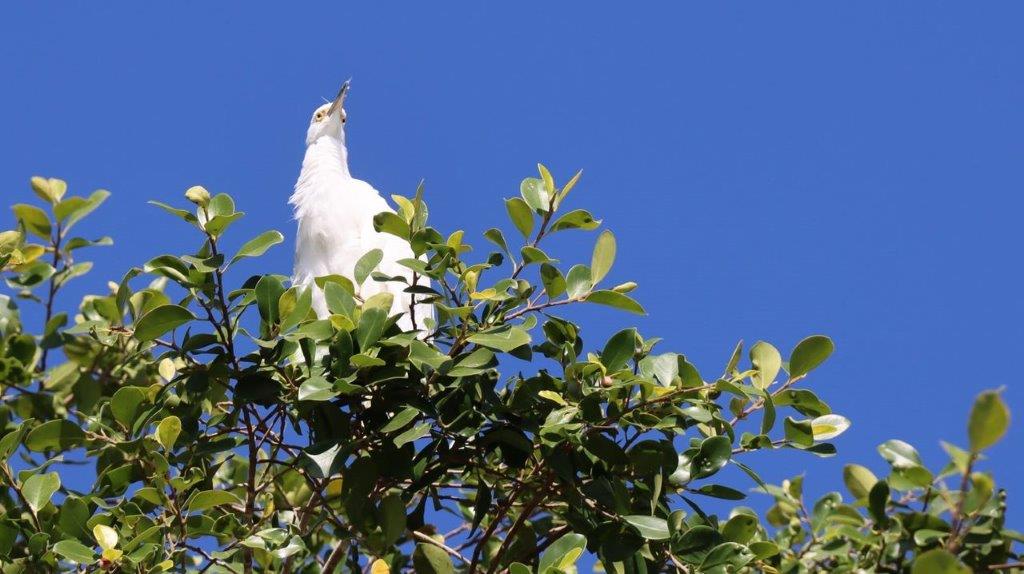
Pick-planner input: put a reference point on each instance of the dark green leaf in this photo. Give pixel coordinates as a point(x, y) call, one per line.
point(268, 298)
point(619, 350)
point(161, 320)
point(714, 453)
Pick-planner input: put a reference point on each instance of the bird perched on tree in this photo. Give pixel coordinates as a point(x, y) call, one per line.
point(335, 221)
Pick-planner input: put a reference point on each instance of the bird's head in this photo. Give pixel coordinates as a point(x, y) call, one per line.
point(329, 119)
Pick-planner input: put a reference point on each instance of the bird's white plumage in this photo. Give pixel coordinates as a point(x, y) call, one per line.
point(335, 213)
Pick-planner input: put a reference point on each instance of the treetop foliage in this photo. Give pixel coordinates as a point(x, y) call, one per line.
point(228, 429)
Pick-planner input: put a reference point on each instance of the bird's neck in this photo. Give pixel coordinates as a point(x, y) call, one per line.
point(326, 156)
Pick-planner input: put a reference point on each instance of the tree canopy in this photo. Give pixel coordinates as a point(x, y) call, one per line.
point(226, 428)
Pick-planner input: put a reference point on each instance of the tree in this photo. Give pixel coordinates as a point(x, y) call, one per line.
point(228, 429)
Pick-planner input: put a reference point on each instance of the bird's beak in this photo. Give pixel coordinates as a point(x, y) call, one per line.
point(340, 99)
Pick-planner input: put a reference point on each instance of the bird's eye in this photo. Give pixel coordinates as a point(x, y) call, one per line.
point(319, 116)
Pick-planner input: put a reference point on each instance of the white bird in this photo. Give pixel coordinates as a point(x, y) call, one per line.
point(335, 221)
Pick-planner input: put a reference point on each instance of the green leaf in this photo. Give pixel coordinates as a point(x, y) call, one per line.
point(616, 300)
point(714, 453)
point(161, 320)
point(39, 488)
point(316, 389)
point(504, 338)
point(719, 491)
point(576, 219)
point(125, 403)
point(404, 417)
point(268, 298)
point(988, 421)
point(216, 226)
point(809, 354)
point(415, 433)
point(521, 216)
point(59, 434)
point(221, 204)
point(938, 561)
point(767, 361)
point(650, 527)
point(181, 213)
point(481, 505)
point(727, 555)
point(387, 222)
point(799, 432)
point(545, 176)
point(294, 306)
point(553, 397)
point(258, 245)
point(552, 279)
point(603, 257)
point(859, 480)
point(740, 528)
point(34, 219)
point(878, 501)
point(167, 431)
point(339, 298)
point(578, 281)
point(74, 209)
point(568, 187)
point(12, 439)
point(899, 454)
point(534, 255)
point(534, 193)
point(619, 350)
point(75, 551)
point(430, 559)
point(208, 499)
point(74, 516)
point(366, 264)
point(563, 553)
point(495, 236)
point(370, 328)
point(392, 510)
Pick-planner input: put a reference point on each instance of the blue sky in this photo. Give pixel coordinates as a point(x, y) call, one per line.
point(771, 170)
